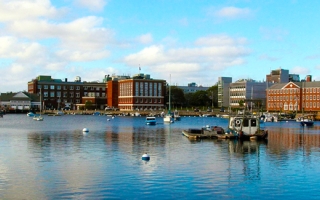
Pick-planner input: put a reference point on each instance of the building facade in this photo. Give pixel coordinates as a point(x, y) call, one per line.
point(192, 88)
point(57, 94)
point(19, 102)
point(249, 92)
point(137, 93)
point(223, 91)
point(294, 97)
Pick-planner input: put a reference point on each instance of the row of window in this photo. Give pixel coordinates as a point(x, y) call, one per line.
point(294, 91)
point(71, 87)
point(63, 100)
point(129, 100)
point(293, 98)
point(71, 94)
point(291, 106)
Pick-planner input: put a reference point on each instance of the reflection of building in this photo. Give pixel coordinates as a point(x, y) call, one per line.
point(246, 90)
point(223, 91)
point(294, 96)
point(290, 140)
point(21, 101)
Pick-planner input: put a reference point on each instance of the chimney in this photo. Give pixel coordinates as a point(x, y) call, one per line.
point(66, 80)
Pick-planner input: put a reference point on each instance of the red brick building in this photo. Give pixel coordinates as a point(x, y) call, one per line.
point(294, 96)
point(139, 92)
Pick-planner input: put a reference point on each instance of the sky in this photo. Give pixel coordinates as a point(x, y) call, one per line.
point(175, 40)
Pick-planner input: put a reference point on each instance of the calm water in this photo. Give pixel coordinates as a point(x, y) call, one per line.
point(53, 159)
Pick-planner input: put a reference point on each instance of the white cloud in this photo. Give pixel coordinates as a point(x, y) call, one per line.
point(26, 9)
point(83, 33)
point(300, 70)
point(94, 5)
point(209, 53)
point(145, 39)
point(231, 12)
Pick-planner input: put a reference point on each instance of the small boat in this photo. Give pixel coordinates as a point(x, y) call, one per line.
point(30, 114)
point(176, 116)
point(151, 121)
point(305, 121)
point(208, 132)
point(246, 127)
point(38, 118)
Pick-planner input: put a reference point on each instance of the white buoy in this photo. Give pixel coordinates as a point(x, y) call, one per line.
point(85, 130)
point(145, 157)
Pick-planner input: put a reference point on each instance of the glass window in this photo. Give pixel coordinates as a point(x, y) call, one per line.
point(58, 94)
point(77, 87)
point(51, 94)
point(71, 87)
point(51, 87)
point(58, 87)
point(45, 87)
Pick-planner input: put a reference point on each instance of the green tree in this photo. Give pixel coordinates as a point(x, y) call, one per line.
point(177, 96)
point(213, 95)
point(88, 105)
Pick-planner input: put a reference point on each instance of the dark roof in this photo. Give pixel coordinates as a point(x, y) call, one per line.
point(299, 84)
point(19, 96)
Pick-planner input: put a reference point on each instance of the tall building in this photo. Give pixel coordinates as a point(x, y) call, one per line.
point(250, 92)
point(139, 92)
point(223, 91)
point(278, 76)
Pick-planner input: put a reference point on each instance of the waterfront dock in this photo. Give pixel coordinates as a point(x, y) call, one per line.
point(204, 134)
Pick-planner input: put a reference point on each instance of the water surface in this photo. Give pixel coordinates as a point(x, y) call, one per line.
point(54, 159)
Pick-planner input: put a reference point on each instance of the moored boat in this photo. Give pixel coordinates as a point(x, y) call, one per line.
point(305, 121)
point(207, 132)
point(151, 120)
point(246, 127)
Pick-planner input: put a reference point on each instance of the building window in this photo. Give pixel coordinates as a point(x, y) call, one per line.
point(97, 94)
point(146, 89)
point(103, 94)
point(58, 94)
point(71, 94)
point(77, 101)
point(77, 87)
point(51, 87)
point(97, 88)
point(85, 87)
point(71, 87)
point(51, 94)
point(45, 94)
point(58, 87)
point(77, 95)
point(45, 87)
point(39, 86)
point(141, 89)
point(159, 89)
point(65, 94)
point(65, 87)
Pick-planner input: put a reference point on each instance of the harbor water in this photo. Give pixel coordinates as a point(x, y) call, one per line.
point(55, 159)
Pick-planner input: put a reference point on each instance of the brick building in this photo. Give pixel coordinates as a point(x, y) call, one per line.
point(294, 97)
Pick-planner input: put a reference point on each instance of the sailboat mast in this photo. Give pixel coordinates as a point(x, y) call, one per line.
point(170, 95)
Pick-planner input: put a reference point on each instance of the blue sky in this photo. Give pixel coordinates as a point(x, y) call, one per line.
point(193, 41)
